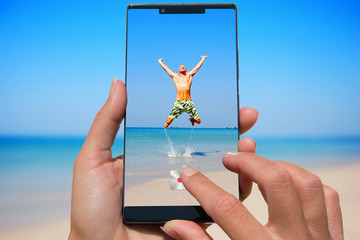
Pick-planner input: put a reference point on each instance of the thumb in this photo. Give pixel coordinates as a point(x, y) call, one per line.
point(185, 230)
point(107, 121)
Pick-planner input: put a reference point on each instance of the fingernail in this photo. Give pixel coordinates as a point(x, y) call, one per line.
point(251, 140)
point(188, 171)
point(112, 88)
point(254, 143)
point(229, 154)
point(170, 232)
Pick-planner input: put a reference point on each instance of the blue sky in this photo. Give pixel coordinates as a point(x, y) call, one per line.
point(181, 39)
point(299, 64)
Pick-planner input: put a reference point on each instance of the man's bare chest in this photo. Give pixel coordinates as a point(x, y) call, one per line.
point(182, 81)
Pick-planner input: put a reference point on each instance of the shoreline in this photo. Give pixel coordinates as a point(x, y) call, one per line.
point(340, 176)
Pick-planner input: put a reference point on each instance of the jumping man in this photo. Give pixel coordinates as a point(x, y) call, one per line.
point(183, 102)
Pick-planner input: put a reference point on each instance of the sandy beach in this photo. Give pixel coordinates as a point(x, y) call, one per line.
point(344, 178)
point(158, 191)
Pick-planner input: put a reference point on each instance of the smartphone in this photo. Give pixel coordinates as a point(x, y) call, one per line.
point(183, 100)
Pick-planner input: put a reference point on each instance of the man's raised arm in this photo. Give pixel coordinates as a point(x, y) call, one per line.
point(197, 67)
point(171, 73)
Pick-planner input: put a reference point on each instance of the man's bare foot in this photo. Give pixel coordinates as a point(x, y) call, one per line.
point(192, 121)
point(168, 122)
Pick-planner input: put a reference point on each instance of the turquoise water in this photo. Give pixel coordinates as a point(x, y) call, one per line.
point(310, 151)
point(36, 172)
point(36, 178)
point(151, 153)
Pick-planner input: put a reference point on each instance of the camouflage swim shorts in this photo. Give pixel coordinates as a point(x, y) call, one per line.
point(181, 106)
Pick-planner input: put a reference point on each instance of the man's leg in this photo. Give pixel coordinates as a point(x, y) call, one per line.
point(194, 116)
point(168, 122)
point(198, 121)
point(175, 112)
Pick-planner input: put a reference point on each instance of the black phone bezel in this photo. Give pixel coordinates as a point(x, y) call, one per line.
point(162, 214)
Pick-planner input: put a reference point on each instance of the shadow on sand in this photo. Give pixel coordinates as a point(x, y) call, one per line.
point(202, 153)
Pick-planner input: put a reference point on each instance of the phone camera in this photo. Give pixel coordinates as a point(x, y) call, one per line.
point(162, 10)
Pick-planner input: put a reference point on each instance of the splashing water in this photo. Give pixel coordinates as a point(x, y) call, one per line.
point(188, 151)
point(172, 153)
point(192, 129)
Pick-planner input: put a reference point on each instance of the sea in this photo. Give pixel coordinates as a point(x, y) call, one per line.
point(152, 153)
point(36, 171)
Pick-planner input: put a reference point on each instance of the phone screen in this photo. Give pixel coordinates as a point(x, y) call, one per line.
point(182, 88)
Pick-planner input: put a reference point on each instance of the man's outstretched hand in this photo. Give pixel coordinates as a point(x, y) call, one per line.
point(96, 204)
point(160, 59)
point(204, 57)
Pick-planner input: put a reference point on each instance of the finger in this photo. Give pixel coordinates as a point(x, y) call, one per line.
point(118, 168)
point(334, 213)
point(245, 145)
point(247, 119)
point(119, 158)
point(311, 194)
point(245, 185)
point(225, 209)
point(276, 185)
point(185, 230)
point(106, 123)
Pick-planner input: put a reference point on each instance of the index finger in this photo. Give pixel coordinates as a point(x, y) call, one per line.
point(225, 209)
point(276, 185)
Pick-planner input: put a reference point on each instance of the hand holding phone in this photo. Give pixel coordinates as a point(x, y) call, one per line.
point(97, 180)
point(300, 206)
